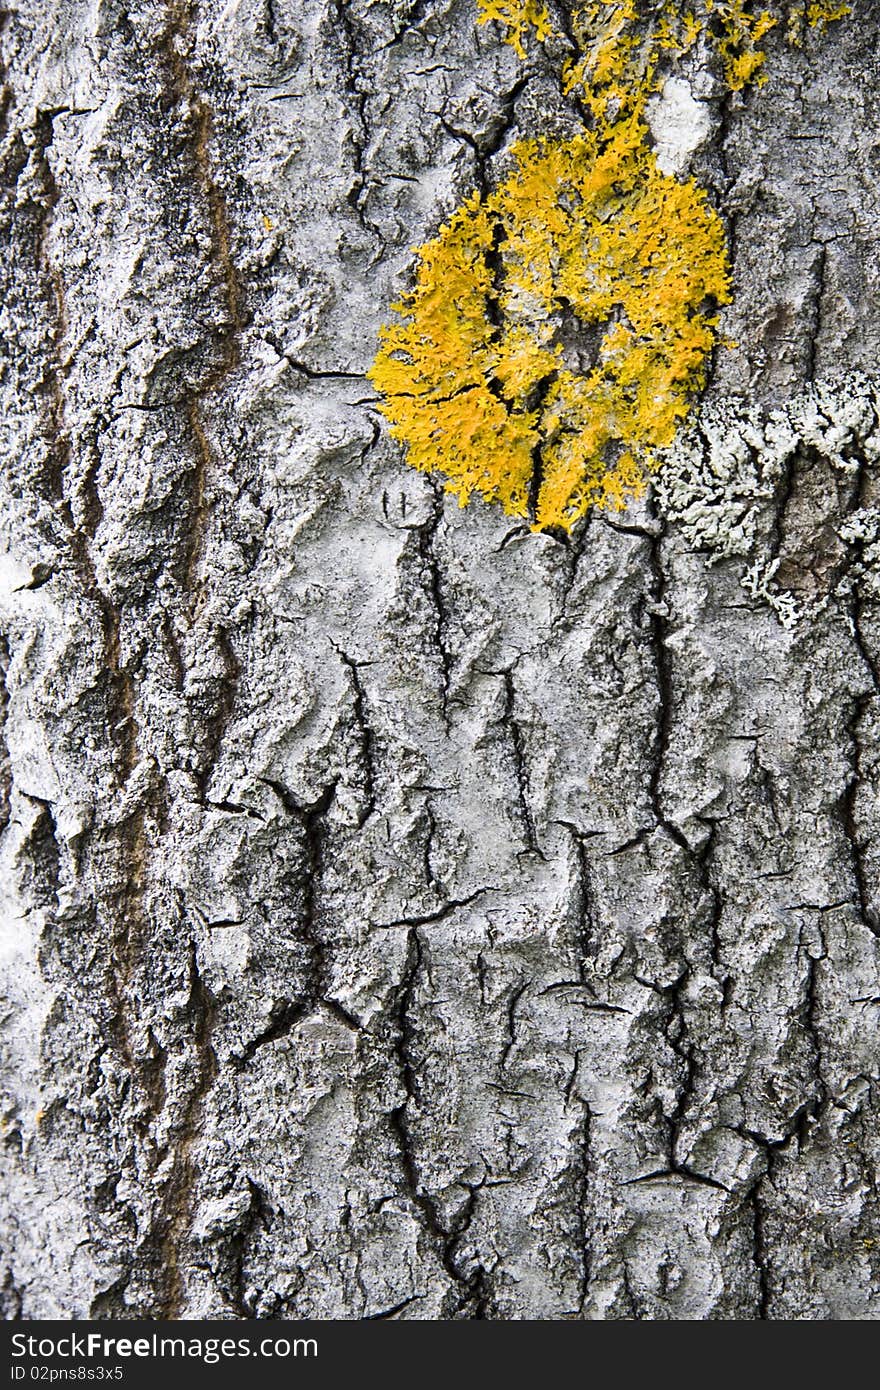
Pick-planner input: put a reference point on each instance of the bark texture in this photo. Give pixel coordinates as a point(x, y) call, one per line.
point(405, 915)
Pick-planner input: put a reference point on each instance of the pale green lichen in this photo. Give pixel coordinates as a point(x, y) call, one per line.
point(720, 484)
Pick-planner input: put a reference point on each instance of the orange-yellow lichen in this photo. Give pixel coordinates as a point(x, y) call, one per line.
point(815, 14)
point(825, 12)
point(519, 18)
point(619, 42)
point(559, 327)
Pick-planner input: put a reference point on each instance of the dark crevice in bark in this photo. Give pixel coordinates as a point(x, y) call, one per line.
point(427, 399)
point(846, 810)
point(311, 372)
point(426, 548)
point(259, 1215)
point(810, 1012)
point(44, 855)
point(520, 768)
point(681, 1172)
point(270, 21)
point(715, 898)
point(179, 1196)
point(721, 140)
point(585, 908)
point(235, 808)
point(183, 93)
point(847, 804)
point(431, 878)
point(674, 1026)
point(814, 331)
point(658, 623)
point(5, 764)
point(438, 914)
point(356, 94)
point(535, 402)
point(591, 1005)
point(366, 738)
point(514, 534)
point(390, 1313)
point(312, 819)
point(760, 1252)
point(469, 1295)
point(486, 147)
point(512, 1002)
point(581, 1172)
point(216, 721)
point(497, 271)
point(283, 1019)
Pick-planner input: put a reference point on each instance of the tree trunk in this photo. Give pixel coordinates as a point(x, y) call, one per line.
point(406, 914)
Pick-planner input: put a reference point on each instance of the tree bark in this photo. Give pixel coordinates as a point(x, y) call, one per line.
point(405, 914)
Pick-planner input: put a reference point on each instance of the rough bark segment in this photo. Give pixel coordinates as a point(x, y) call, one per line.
point(403, 914)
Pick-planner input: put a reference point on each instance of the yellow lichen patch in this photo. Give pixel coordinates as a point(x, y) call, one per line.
point(560, 327)
point(619, 43)
point(519, 19)
point(826, 13)
point(557, 329)
point(813, 14)
point(740, 29)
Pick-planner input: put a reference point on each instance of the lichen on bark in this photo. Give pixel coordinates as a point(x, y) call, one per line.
point(587, 240)
point(405, 914)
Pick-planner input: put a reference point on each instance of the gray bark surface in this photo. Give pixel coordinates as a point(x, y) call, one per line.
point(404, 914)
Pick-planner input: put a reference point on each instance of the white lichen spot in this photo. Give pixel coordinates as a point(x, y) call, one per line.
point(757, 581)
point(679, 125)
point(719, 486)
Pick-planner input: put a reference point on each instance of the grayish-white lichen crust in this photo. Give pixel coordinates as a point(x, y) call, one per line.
point(727, 484)
point(679, 125)
point(404, 914)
